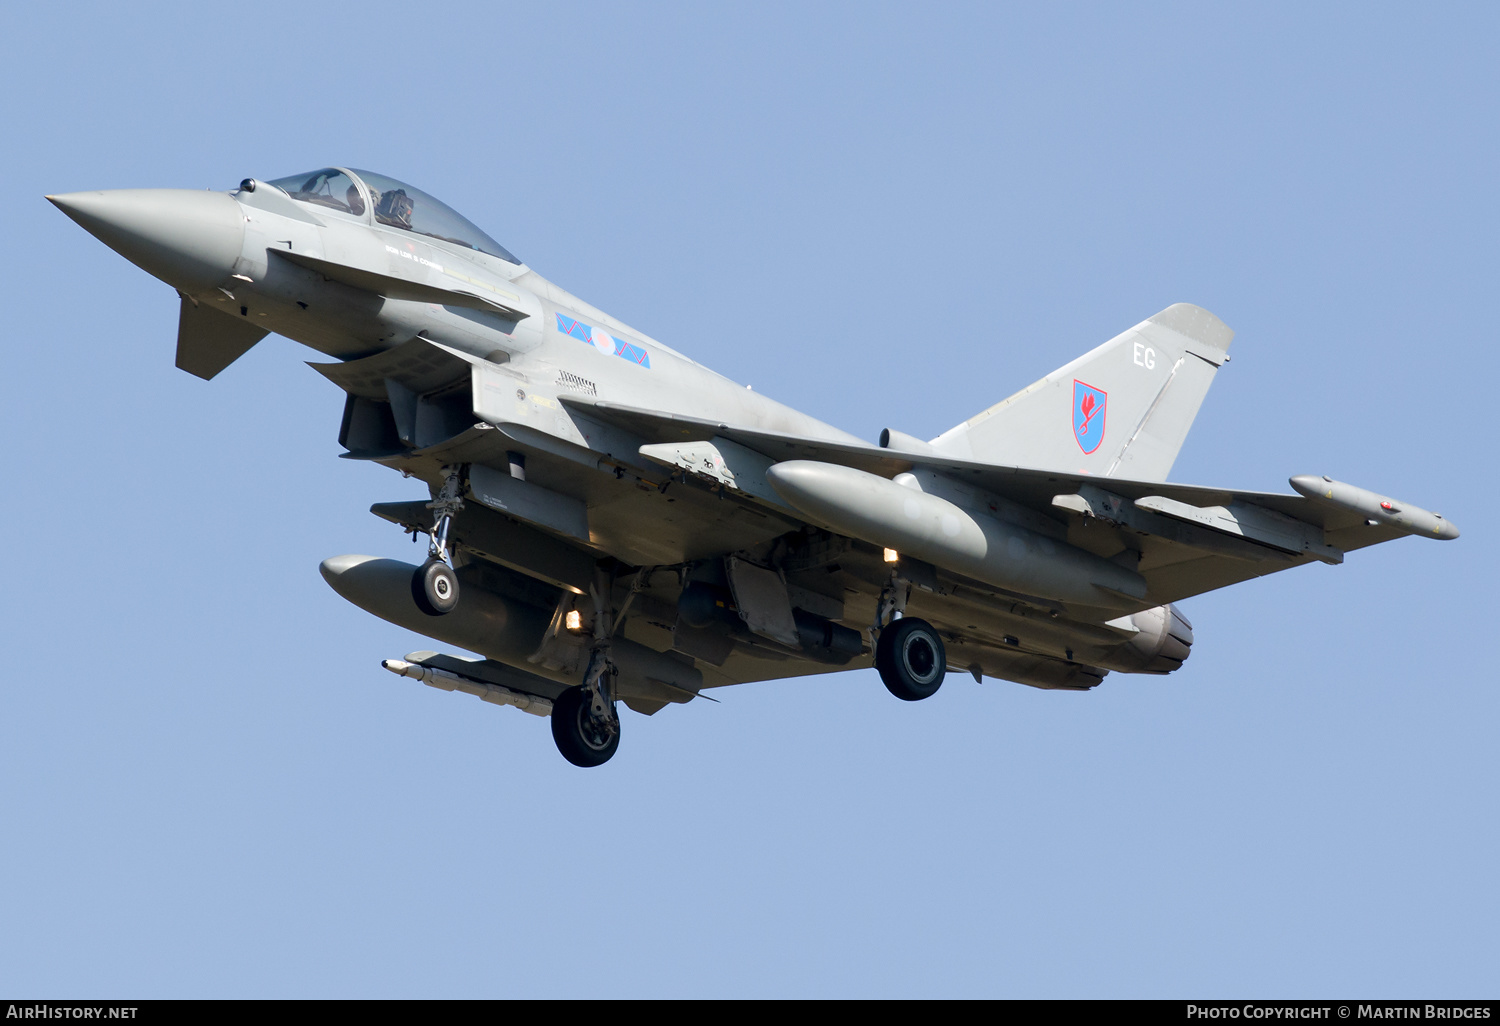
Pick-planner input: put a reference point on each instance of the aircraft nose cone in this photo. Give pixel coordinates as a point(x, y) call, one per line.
point(188, 239)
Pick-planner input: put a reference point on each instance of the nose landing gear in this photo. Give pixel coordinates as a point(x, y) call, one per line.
point(435, 586)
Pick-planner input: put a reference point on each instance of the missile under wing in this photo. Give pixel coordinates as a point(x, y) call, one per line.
point(609, 522)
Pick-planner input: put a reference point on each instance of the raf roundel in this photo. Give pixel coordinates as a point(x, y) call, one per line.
point(1088, 415)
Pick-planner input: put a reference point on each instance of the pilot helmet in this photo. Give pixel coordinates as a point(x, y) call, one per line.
point(395, 207)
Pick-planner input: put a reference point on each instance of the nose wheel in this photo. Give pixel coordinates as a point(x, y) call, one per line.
point(435, 586)
point(911, 659)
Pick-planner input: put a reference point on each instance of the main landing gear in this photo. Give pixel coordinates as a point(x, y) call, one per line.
point(911, 660)
point(435, 586)
point(909, 653)
point(585, 722)
point(583, 739)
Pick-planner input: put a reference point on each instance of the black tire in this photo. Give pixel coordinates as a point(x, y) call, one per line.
point(581, 739)
point(911, 659)
point(435, 587)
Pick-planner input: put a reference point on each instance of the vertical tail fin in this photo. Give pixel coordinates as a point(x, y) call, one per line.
point(1122, 410)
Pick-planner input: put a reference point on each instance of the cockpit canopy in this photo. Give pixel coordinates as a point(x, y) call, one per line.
point(393, 203)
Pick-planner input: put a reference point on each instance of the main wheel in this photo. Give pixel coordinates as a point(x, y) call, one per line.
point(435, 587)
point(911, 659)
point(583, 740)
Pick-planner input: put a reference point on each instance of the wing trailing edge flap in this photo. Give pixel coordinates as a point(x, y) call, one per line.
point(1240, 530)
point(209, 340)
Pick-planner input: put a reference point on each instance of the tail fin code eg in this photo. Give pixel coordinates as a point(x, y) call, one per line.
point(1122, 410)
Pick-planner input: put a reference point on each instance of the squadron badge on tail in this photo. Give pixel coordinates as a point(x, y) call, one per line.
point(1088, 415)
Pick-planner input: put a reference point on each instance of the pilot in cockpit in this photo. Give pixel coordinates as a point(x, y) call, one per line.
point(395, 204)
point(394, 208)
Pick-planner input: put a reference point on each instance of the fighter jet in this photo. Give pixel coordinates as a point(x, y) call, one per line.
point(610, 522)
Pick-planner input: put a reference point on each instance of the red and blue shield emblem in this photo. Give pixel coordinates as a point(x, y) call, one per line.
point(1088, 415)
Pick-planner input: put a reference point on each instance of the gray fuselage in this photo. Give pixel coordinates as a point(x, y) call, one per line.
point(276, 293)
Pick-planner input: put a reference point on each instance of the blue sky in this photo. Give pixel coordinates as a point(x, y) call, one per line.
point(888, 216)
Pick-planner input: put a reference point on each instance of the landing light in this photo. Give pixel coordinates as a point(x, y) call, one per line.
point(892, 556)
point(574, 620)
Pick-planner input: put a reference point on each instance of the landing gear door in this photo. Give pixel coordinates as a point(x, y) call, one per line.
point(763, 601)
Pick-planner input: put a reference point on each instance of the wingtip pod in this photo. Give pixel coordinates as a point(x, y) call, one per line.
point(1372, 506)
